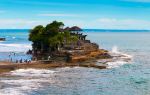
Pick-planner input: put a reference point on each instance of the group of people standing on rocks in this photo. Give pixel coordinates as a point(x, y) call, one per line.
point(12, 55)
point(23, 61)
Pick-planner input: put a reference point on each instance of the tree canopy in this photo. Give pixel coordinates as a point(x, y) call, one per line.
point(51, 36)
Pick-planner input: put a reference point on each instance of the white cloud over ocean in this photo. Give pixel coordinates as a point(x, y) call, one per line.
point(58, 15)
point(19, 23)
point(123, 23)
point(101, 23)
point(27, 24)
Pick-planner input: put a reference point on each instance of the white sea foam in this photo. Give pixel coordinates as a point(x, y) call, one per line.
point(115, 64)
point(115, 50)
point(32, 72)
point(29, 80)
point(21, 86)
point(14, 37)
point(119, 58)
point(14, 47)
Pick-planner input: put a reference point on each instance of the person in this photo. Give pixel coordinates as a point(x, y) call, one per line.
point(9, 55)
point(16, 61)
point(14, 53)
point(28, 61)
point(49, 57)
point(20, 60)
point(11, 59)
point(25, 61)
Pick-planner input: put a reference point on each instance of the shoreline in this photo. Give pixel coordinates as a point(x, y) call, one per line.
point(8, 66)
point(57, 46)
point(87, 60)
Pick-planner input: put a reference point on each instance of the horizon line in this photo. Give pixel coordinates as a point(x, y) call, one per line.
point(82, 28)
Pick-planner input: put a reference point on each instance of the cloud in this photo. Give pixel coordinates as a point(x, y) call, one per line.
point(28, 24)
point(19, 23)
point(59, 15)
point(123, 23)
point(102, 23)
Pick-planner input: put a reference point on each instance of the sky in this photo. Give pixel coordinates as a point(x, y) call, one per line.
point(88, 14)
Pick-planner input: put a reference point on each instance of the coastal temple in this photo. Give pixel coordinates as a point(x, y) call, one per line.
point(54, 42)
point(76, 31)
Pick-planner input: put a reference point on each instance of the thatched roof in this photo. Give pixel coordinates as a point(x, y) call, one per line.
point(75, 28)
point(67, 28)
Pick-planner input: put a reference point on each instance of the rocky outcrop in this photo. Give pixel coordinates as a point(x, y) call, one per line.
point(99, 54)
point(2, 39)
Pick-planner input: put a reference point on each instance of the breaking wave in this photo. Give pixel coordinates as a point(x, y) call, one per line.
point(31, 72)
point(115, 51)
point(25, 81)
point(115, 64)
point(14, 47)
point(119, 58)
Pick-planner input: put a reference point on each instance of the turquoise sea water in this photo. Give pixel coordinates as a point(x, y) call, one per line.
point(129, 79)
point(16, 42)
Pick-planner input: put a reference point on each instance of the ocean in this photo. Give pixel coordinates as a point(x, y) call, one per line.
point(121, 78)
point(16, 42)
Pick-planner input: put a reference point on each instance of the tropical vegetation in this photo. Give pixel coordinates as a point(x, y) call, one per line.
point(51, 38)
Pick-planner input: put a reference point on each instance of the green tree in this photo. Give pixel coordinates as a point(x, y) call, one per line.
point(53, 28)
point(51, 38)
point(67, 37)
point(36, 36)
point(35, 33)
